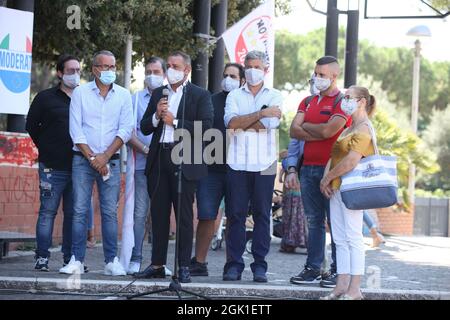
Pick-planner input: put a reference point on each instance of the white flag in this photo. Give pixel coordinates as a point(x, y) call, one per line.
point(254, 32)
point(128, 211)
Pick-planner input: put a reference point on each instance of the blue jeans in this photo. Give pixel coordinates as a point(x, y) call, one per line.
point(210, 192)
point(83, 178)
point(317, 208)
point(243, 188)
point(368, 220)
point(141, 209)
point(91, 216)
point(54, 185)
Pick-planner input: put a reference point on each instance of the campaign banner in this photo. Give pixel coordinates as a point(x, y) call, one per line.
point(16, 38)
point(253, 32)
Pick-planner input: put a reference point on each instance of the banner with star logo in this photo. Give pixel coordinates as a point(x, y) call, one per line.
point(253, 32)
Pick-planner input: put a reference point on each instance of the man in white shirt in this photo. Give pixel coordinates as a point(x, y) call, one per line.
point(101, 121)
point(252, 115)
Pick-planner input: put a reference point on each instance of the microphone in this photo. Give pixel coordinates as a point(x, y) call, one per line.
point(165, 93)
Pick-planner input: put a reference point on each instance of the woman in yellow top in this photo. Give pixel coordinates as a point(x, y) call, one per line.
point(346, 225)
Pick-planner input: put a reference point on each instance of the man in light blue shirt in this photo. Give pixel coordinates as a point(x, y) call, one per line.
point(138, 148)
point(101, 121)
point(252, 116)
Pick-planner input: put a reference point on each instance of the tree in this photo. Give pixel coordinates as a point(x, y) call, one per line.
point(437, 138)
point(441, 4)
point(158, 27)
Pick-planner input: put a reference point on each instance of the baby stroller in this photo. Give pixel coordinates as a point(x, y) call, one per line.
point(275, 225)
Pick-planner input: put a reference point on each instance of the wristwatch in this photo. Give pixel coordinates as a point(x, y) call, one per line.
point(145, 149)
point(91, 158)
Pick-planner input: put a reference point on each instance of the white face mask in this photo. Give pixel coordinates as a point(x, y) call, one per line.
point(349, 106)
point(254, 76)
point(154, 81)
point(322, 84)
point(174, 76)
point(229, 84)
point(312, 86)
point(71, 80)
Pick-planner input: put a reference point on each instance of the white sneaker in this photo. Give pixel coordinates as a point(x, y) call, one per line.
point(168, 272)
point(133, 268)
point(73, 267)
point(114, 268)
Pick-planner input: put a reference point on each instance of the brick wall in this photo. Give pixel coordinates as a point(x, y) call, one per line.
point(395, 221)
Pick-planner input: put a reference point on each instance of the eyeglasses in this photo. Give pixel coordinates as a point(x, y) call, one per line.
point(105, 67)
point(348, 97)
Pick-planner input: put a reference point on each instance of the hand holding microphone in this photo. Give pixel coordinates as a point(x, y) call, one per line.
point(163, 104)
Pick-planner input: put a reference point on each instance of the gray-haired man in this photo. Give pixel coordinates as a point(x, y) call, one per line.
point(252, 113)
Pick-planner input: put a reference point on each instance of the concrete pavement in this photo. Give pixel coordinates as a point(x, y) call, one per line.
point(403, 268)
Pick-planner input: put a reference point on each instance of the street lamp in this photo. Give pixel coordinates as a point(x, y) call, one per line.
point(418, 31)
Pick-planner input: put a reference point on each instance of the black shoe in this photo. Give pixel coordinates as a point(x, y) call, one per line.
point(41, 264)
point(183, 275)
point(232, 274)
point(151, 272)
point(198, 269)
point(260, 277)
point(329, 279)
point(86, 268)
point(307, 276)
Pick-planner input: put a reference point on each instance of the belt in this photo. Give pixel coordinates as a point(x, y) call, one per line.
point(168, 145)
point(114, 157)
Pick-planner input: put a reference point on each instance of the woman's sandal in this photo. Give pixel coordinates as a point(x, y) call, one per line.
point(331, 296)
point(348, 297)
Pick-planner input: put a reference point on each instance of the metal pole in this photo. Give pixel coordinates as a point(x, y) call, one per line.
point(414, 117)
point(217, 61)
point(332, 30)
point(202, 18)
point(351, 48)
point(16, 122)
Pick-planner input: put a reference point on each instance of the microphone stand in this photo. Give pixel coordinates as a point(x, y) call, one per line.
point(175, 285)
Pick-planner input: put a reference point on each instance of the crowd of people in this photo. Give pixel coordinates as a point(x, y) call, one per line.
point(168, 128)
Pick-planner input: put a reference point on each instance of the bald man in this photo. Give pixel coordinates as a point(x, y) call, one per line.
point(319, 123)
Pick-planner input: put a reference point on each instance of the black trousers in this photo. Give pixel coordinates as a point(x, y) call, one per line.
point(163, 191)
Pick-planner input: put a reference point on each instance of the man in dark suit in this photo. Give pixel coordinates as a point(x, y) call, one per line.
point(164, 118)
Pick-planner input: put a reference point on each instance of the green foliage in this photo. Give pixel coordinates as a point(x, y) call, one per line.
point(441, 4)
point(158, 27)
point(438, 193)
point(296, 54)
point(437, 138)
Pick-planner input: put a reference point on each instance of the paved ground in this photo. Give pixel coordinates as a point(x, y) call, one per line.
point(414, 264)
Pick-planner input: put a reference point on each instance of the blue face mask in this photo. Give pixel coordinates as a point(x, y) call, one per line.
point(107, 77)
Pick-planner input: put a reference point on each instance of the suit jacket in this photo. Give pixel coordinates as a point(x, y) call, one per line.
point(198, 108)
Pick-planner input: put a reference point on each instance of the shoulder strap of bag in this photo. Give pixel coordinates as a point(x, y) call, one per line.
point(338, 99)
point(374, 137)
point(309, 99)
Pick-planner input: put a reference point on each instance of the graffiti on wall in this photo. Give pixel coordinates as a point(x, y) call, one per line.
point(17, 150)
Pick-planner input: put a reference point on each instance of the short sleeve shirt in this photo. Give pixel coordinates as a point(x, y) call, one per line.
point(317, 153)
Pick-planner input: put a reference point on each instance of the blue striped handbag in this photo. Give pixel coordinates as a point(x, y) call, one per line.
point(372, 183)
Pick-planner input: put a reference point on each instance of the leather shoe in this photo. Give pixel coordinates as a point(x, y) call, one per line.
point(232, 275)
point(259, 275)
point(151, 272)
point(183, 275)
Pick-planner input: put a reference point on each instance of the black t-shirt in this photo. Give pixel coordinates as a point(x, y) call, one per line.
point(48, 126)
point(218, 101)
